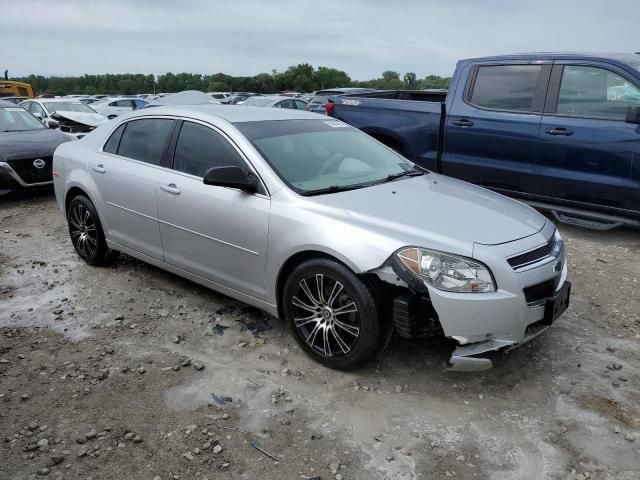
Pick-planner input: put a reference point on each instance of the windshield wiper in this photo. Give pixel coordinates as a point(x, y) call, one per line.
point(332, 189)
point(394, 176)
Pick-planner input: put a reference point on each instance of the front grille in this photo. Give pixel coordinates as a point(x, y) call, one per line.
point(30, 174)
point(532, 256)
point(540, 291)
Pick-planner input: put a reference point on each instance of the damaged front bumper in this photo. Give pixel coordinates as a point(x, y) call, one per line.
point(528, 299)
point(464, 358)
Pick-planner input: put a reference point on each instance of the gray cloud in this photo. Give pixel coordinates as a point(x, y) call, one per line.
point(246, 37)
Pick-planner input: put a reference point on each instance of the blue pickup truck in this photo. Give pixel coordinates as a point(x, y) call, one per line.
point(559, 131)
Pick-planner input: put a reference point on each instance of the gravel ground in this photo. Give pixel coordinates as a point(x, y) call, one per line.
point(128, 372)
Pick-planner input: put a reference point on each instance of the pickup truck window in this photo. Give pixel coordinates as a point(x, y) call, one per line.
point(595, 93)
point(505, 87)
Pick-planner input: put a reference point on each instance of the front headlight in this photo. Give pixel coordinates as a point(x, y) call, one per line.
point(558, 245)
point(448, 272)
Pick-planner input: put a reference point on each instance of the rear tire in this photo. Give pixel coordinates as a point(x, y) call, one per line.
point(332, 314)
point(86, 231)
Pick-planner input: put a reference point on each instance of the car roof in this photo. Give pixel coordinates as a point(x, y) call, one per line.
point(230, 113)
point(620, 57)
point(58, 100)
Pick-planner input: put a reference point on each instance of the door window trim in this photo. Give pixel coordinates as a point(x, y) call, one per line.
point(555, 83)
point(166, 161)
point(539, 93)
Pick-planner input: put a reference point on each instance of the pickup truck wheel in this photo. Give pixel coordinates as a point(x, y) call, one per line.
point(86, 232)
point(332, 314)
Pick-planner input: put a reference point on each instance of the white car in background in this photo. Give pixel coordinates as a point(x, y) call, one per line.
point(222, 97)
point(114, 107)
point(74, 117)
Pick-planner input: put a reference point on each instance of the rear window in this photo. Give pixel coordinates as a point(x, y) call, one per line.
point(323, 97)
point(146, 140)
point(505, 87)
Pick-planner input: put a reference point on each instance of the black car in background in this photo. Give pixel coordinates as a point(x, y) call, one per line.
point(26, 149)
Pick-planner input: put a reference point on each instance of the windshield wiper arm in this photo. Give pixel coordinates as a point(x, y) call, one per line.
point(331, 189)
point(394, 176)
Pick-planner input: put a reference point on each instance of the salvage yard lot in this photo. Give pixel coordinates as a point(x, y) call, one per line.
point(131, 372)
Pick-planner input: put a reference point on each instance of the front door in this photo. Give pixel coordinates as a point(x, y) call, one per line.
point(491, 132)
point(126, 176)
point(589, 156)
point(215, 232)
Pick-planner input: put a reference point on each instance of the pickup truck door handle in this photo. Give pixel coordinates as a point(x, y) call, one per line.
point(99, 168)
point(559, 131)
point(171, 188)
point(462, 123)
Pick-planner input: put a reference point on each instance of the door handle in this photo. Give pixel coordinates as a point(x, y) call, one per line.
point(559, 131)
point(462, 123)
point(99, 168)
point(171, 188)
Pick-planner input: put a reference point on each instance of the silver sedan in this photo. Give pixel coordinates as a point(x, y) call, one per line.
point(315, 222)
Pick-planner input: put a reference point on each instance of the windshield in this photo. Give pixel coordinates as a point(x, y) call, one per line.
point(313, 155)
point(18, 119)
point(53, 107)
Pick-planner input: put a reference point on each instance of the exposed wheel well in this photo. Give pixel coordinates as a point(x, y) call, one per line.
point(71, 194)
point(291, 263)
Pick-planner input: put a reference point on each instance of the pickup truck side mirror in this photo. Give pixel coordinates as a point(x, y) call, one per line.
point(633, 115)
point(231, 177)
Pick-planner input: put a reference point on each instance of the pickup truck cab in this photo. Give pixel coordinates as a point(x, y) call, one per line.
point(559, 131)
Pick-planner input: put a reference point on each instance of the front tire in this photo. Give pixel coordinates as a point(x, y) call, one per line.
point(332, 314)
point(86, 231)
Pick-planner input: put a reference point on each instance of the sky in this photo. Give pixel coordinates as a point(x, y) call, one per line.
point(247, 37)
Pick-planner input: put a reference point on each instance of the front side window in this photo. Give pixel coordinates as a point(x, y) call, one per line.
point(146, 140)
point(36, 108)
point(123, 103)
point(596, 93)
point(505, 87)
point(199, 148)
point(315, 155)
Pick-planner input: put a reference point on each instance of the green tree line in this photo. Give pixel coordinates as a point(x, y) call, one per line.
point(300, 78)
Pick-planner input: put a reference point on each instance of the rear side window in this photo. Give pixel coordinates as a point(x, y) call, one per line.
point(505, 87)
point(114, 140)
point(595, 93)
point(145, 140)
point(199, 148)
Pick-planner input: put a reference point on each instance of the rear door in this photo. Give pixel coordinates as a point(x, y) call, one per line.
point(126, 175)
point(589, 156)
point(217, 233)
point(491, 133)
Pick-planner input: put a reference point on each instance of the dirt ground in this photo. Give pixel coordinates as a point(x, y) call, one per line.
point(129, 372)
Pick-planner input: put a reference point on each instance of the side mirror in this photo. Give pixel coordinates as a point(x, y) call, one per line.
point(50, 123)
point(38, 116)
point(633, 115)
point(232, 177)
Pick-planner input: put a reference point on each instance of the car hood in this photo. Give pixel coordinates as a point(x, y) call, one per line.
point(434, 206)
point(30, 143)
point(86, 118)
